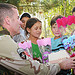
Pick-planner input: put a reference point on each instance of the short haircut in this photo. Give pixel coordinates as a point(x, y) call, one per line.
point(30, 23)
point(73, 10)
point(6, 10)
point(53, 20)
point(25, 15)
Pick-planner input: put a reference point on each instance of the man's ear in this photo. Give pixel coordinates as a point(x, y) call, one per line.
point(28, 29)
point(7, 20)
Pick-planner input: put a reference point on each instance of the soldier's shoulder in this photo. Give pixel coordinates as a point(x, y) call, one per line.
point(4, 36)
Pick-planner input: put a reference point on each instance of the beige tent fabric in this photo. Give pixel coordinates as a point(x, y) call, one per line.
point(10, 59)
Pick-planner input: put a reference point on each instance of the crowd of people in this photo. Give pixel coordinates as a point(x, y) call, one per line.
point(23, 29)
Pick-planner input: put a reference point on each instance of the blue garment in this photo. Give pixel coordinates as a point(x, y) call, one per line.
point(56, 45)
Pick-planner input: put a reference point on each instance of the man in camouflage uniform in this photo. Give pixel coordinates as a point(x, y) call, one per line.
point(10, 59)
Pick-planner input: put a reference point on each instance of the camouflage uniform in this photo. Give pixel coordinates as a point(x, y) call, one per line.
point(10, 59)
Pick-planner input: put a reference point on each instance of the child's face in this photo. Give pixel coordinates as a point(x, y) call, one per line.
point(55, 30)
point(74, 13)
point(36, 30)
point(24, 20)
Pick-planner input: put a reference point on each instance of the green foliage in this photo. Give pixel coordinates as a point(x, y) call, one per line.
point(56, 7)
point(14, 2)
point(50, 4)
point(46, 8)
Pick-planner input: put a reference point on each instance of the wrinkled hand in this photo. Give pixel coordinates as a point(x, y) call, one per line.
point(68, 63)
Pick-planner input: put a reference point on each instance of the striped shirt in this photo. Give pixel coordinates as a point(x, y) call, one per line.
point(56, 45)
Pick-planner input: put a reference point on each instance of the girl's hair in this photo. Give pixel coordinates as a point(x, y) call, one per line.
point(73, 10)
point(30, 23)
point(25, 15)
point(53, 20)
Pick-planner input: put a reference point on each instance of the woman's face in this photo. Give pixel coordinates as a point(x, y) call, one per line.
point(35, 30)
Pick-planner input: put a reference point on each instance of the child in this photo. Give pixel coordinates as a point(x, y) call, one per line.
point(22, 36)
point(56, 42)
point(73, 11)
point(33, 27)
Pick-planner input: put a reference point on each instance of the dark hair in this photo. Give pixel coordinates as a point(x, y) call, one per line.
point(30, 23)
point(53, 20)
point(25, 15)
point(73, 10)
point(6, 10)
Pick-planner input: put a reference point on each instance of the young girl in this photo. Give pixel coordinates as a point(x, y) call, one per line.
point(33, 27)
